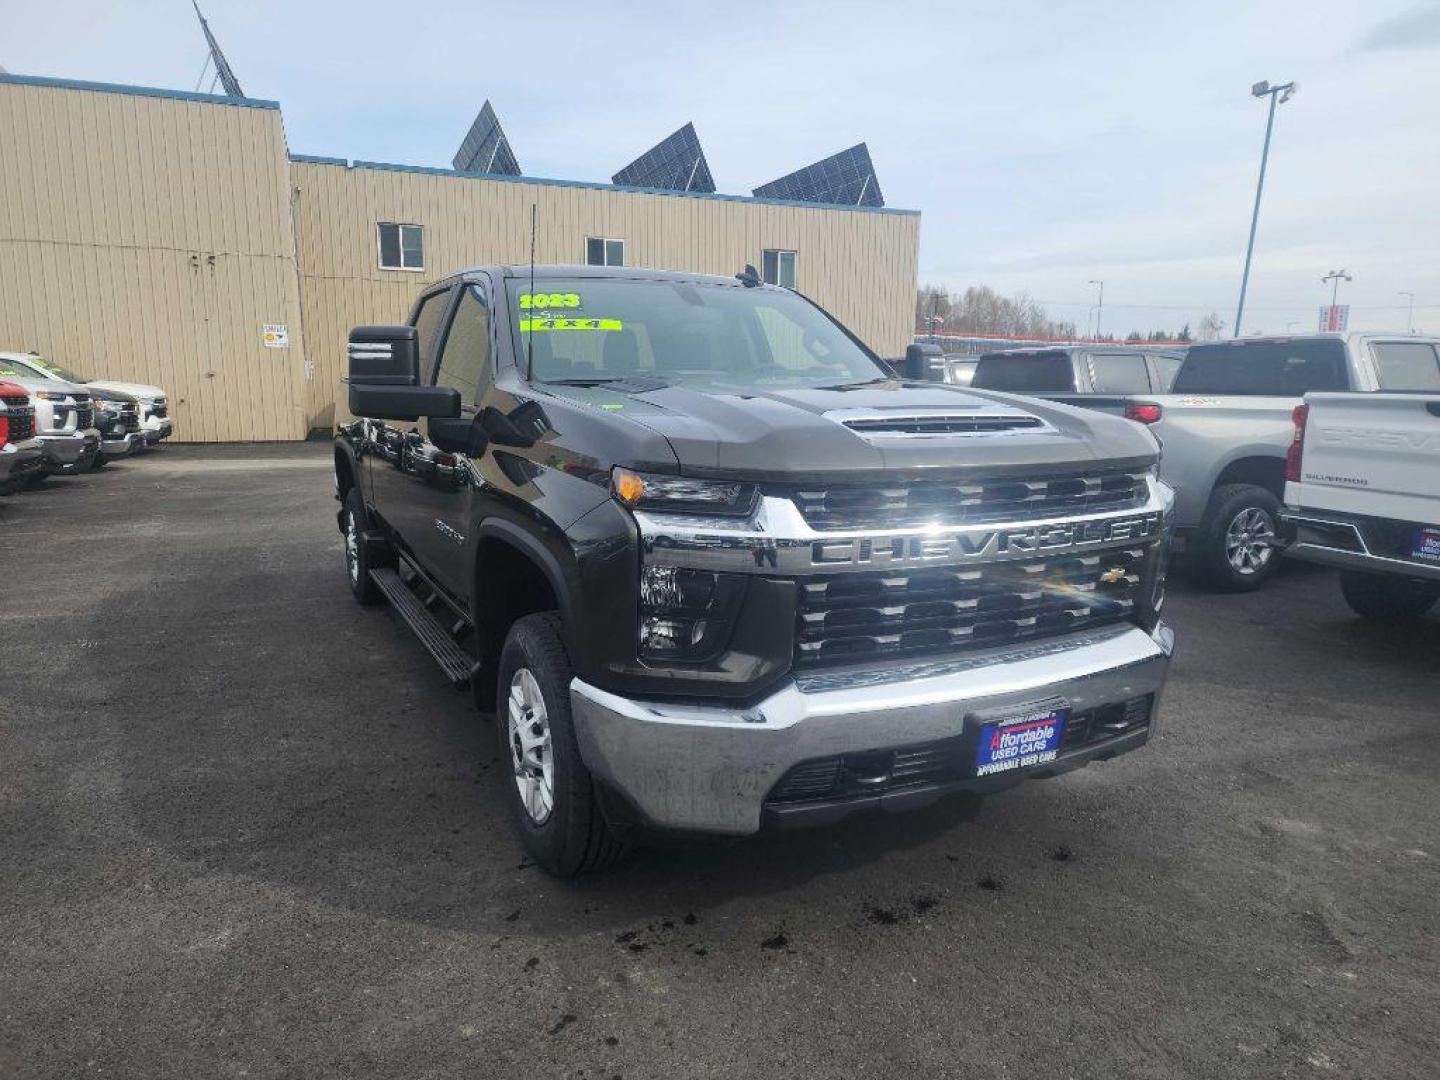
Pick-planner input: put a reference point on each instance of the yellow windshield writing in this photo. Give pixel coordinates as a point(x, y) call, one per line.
point(526, 325)
point(549, 301)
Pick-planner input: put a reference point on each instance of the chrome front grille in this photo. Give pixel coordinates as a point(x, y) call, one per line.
point(935, 502)
point(130, 416)
point(84, 417)
point(21, 417)
point(887, 614)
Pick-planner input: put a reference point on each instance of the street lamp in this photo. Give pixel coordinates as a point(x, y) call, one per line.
point(1099, 305)
point(1410, 318)
point(1336, 276)
point(1276, 94)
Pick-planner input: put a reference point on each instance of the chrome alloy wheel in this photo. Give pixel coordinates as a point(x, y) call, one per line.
point(530, 746)
point(352, 548)
point(1250, 540)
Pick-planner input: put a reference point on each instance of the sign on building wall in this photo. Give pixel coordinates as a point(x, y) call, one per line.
point(275, 335)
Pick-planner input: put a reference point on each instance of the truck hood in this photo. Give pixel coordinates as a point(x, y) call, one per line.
point(138, 390)
point(792, 433)
point(47, 386)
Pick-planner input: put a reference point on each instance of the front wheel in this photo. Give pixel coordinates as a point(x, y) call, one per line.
point(357, 553)
point(1385, 597)
point(551, 794)
point(1237, 545)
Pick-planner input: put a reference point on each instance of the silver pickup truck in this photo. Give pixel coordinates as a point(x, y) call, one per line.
point(1226, 427)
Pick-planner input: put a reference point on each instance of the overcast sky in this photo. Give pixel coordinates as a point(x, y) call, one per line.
point(1045, 144)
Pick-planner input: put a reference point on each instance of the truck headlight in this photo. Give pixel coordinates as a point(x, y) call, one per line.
point(685, 614)
point(680, 494)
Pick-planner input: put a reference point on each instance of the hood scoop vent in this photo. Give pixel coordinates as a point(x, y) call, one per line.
point(933, 423)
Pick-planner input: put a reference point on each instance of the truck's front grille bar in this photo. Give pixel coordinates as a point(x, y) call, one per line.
point(884, 506)
point(892, 614)
point(22, 419)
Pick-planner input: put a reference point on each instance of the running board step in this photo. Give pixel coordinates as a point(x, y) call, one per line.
point(457, 664)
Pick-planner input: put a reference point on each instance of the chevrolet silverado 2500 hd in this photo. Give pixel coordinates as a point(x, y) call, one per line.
point(1363, 493)
point(716, 568)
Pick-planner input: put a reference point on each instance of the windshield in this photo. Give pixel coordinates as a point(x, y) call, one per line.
point(1264, 368)
point(1025, 373)
point(589, 330)
point(38, 365)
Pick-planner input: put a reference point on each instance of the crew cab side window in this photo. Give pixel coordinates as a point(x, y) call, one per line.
point(465, 355)
point(1119, 373)
point(1407, 365)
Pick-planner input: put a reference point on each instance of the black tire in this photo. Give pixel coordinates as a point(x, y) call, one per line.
point(358, 562)
point(574, 837)
point(1229, 561)
point(99, 462)
point(1385, 597)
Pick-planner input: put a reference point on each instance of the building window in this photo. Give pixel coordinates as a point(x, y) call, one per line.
point(402, 247)
point(602, 252)
point(780, 268)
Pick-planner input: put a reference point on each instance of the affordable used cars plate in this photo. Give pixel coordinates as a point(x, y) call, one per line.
point(1426, 543)
point(1021, 739)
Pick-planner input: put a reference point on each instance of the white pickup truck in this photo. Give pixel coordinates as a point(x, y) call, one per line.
point(1362, 493)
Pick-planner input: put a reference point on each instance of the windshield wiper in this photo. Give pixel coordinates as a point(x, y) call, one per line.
point(857, 385)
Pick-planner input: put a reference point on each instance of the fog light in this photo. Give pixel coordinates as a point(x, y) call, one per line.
point(686, 614)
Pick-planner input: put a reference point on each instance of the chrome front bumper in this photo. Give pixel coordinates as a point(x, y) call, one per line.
point(156, 429)
point(70, 451)
point(123, 446)
point(703, 768)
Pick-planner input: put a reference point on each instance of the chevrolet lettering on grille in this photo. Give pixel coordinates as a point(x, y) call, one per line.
point(991, 543)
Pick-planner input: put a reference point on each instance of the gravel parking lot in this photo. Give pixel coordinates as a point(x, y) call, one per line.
point(245, 830)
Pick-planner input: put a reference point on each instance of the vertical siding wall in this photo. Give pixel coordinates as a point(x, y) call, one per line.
point(861, 265)
point(147, 238)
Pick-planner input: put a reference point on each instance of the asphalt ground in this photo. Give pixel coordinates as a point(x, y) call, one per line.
point(246, 831)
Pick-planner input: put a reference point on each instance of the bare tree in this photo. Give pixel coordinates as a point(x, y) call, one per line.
point(980, 310)
point(1210, 327)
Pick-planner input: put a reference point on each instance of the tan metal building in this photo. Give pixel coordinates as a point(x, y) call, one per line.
point(171, 238)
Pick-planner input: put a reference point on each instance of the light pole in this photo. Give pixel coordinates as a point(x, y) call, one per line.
point(1409, 318)
point(1099, 305)
point(1276, 94)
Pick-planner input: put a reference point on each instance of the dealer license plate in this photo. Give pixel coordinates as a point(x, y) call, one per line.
point(1426, 544)
point(1020, 740)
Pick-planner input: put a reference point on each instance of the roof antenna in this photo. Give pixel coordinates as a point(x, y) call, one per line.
point(749, 277)
point(530, 332)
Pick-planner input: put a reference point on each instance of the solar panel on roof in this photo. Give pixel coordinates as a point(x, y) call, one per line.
point(675, 163)
point(844, 179)
point(486, 149)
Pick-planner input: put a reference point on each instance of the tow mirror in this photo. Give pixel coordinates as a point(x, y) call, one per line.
point(384, 356)
point(924, 363)
point(385, 377)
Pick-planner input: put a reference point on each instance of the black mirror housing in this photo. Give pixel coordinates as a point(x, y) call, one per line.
point(404, 402)
point(384, 356)
point(924, 363)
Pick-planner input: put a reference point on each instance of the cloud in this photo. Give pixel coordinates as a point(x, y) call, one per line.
point(1418, 28)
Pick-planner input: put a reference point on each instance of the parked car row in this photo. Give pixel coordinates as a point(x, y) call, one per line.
point(1226, 412)
point(55, 421)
